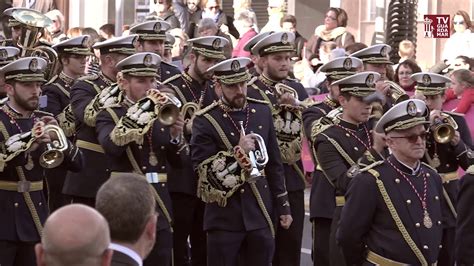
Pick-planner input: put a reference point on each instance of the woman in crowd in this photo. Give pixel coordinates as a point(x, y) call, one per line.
point(462, 87)
point(163, 9)
point(209, 9)
point(461, 41)
point(403, 72)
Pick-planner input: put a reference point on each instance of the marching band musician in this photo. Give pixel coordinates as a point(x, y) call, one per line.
point(464, 250)
point(341, 144)
point(134, 140)
point(151, 38)
point(257, 67)
point(445, 152)
point(193, 88)
point(82, 187)
point(393, 212)
point(7, 55)
point(72, 55)
point(23, 137)
point(275, 52)
point(322, 199)
point(14, 25)
point(240, 179)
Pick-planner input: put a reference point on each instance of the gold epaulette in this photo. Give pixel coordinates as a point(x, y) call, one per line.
point(257, 100)
point(429, 166)
point(89, 77)
point(43, 113)
point(291, 79)
point(171, 79)
point(206, 109)
point(370, 167)
point(470, 170)
point(309, 102)
point(252, 80)
point(453, 113)
point(53, 79)
point(319, 126)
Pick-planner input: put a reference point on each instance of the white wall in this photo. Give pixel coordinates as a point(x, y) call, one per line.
point(88, 13)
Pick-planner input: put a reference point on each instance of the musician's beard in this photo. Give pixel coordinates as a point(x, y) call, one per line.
point(29, 104)
point(237, 101)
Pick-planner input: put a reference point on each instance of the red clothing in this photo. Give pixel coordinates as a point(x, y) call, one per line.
point(239, 48)
point(465, 102)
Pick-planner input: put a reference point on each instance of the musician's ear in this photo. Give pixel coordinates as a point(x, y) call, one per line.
point(9, 89)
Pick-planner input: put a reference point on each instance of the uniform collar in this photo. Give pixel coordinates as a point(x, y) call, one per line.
point(127, 251)
point(267, 81)
point(227, 108)
point(107, 80)
point(405, 168)
point(331, 102)
point(14, 113)
point(66, 79)
point(349, 125)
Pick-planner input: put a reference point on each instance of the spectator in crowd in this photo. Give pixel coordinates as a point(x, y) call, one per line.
point(92, 65)
point(406, 50)
point(207, 27)
point(127, 203)
point(43, 6)
point(65, 242)
point(57, 28)
point(210, 9)
point(288, 23)
point(245, 5)
point(74, 32)
point(403, 73)
point(462, 87)
point(179, 46)
point(163, 9)
point(244, 24)
point(107, 31)
point(192, 7)
point(462, 62)
point(355, 47)
point(276, 12)
point(181, 12)
point(333, 29)
point(461, 41)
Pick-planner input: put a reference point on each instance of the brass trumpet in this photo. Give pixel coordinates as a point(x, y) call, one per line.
point(259, 157)
point(169, 109)
point(396, 93)
point(443, 128)
point(189, 109)
point(54, 154)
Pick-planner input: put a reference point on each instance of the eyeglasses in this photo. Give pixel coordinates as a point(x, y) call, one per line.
point(331, 18)
point(213, 7)
point(458, 22)
point(413, 138)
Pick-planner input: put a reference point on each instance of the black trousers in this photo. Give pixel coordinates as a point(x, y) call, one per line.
point(253, 248)
point(188, 213)
point(288, 241)
point(55, 181)
point(446, 254)
point(161, 254)
point(17, 253)
point(321, 232)
point(336, 257)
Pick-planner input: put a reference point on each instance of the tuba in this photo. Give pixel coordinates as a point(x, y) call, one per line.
point(443, 128)
point(258, 158)
point(396, 93)
point(32, 24)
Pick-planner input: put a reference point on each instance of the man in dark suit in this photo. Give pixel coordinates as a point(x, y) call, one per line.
point(464, 249)
point(65, 242)
point(126, 201)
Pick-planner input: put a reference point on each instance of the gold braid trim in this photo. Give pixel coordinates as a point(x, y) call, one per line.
point(400, 125)
point(234, 78)
point(396, 218)
point(341, 151)
point(77, 50)
point(261, 204)
point(25, 76)
point(318, 127)
point(276, 49)
point(210, 53)
point(63, 90)
point(429, 90)
point(66, 121)
point(137, 170)
point(299, 172)
point(26, 195)
point(206, 109)
point(450, 203)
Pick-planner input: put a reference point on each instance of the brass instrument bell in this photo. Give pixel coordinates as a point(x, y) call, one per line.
point(443, 128)
point(54, 154)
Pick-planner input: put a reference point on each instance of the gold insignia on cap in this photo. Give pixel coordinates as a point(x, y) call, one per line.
point(369, 81)
point(147, 60)
point(3, 54)
point(34, 65)
point(235, 66)
point(216, 43)
point(284, 38)
point(426, 79)
point(384, 51)
point(347, 64)
point(411, 108)
point(157, 27)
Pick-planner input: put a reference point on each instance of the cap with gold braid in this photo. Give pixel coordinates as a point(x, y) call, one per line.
point(78, 45)
point(341, 67)
point(8, 54)
point(375, 54)
point(209, 46)
point(361, 84)
point(140, 65)
point(25, 69)
point(430, 83)
point(169, 42)
point(404, 115)
point(231, 71)
point(251, 43)
point(120, 45)
point(274, 43)
point(151, 30)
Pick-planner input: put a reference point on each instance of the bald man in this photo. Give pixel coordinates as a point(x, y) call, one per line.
point(75, 235)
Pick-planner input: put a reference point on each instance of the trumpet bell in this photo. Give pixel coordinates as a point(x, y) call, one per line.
point(168, 114)
point(54, 154)
point(51, 159)
point(443, 133)
point(396, 93)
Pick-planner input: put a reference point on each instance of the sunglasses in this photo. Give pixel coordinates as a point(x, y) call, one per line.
point(413, 138)
point(458, 22)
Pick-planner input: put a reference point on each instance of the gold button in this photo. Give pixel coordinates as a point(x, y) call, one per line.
point(447, 165)
point(439, 222)
point(440, 246)
point(232, 134)
point(428, 175)
point(408, 201)
point(163, 184)
point(417, 225)
point(162, 147)
point(265, 186)
point(143, 167)
point(355, 148)
point(260, 127)
point(101, 86)
point(436, 198)
point(184, 86)
point(163, 167)
point(224, 115)
point(347, 135)
point(167, 72)
point(397, 180)
point(425, 247)
point(253, 110)
point(140, 147)
point(16, 204)
point(242, 190)
point(40, 204)
point(162, 129)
